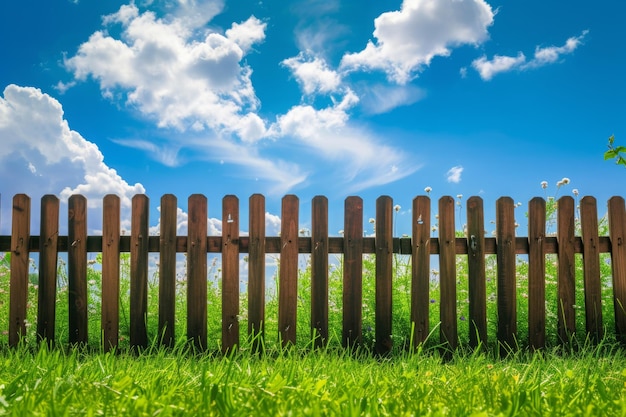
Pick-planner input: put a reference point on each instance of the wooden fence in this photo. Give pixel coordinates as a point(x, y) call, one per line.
point(352, 245)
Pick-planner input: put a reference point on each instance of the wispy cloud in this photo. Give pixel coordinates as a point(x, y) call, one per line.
point(488, 68)
point(454, 174)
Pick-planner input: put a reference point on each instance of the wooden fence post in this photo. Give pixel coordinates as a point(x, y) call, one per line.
point(197, 271)
point(507, 291)
point(476, 271)
point(567, 272)
point(256, 272)
point(447, 275)
point(591, 261)
point(20, 238)
point(617, 232)
point(420, 270)
point(48, 255)
point(139, 271)
point(384, 273)
point(77, 269)
point(352, 272)
point(537, 273)
point(288, 271)
point(319, 271)
point(167, 270)
point(110, 309)
point(230, 273)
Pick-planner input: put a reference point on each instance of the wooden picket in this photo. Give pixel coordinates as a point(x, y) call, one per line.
point(352, 247)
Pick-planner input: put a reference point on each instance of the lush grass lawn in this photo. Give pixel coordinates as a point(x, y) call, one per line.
point(59, 382)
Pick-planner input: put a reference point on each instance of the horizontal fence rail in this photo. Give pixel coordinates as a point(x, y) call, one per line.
point(352, 246)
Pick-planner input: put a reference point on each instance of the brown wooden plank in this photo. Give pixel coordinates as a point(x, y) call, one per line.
point(507, 292)
point(477, 290)
point(420, 269)
point(319, 271)
point(335, 244)
point(591, 261)
point(447, 275)
point(230, 273)
point(110, 308)
point(48, 254)
point(536, 273)
point(77, 269)
point(566, 271)
point(18, 298)
point(197, 271)
point(617, 232)
point(288, 272)
point(352, 272)
point(384, 274)
point(139, 271)
point(167, 269)
point(256, 272)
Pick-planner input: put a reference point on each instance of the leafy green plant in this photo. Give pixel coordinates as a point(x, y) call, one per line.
point(615, 152)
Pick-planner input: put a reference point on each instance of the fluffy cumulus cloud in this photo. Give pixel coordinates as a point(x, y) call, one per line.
point(173, 74)
point(408, 39)
point(488, 68)
point(313, 74)
point(41, 154)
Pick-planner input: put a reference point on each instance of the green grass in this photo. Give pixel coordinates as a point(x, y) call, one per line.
point(58, 382)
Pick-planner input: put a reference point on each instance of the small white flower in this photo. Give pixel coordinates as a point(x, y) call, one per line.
point(397, 207)
point(372, 220)
point(565, 180)
point(459, 196)
point(575, 191)
point(544, 184)
point(428, 189)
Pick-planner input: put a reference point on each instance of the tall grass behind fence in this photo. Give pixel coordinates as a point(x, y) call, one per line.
point(473, 249)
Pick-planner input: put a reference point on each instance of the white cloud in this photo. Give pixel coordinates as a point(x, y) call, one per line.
point(487, 69)
point(408, 39)
point(247, 33)
point(313, 74)
point(551, 54)
point(40, 154)
point(454, 174)
point(171, 75)
point(380, 98)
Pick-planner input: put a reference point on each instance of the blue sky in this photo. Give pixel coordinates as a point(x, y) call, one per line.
point(309, 97)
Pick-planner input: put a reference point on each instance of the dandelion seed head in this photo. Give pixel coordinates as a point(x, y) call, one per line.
point(544, 184)
point(428, 189)
point(575, 191)
point(397, 207)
